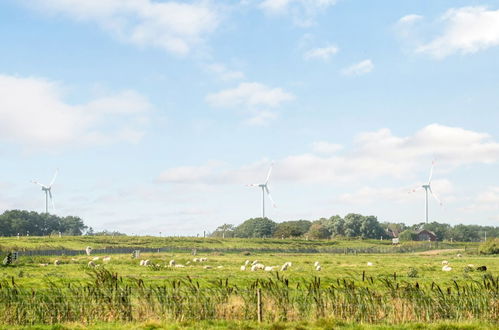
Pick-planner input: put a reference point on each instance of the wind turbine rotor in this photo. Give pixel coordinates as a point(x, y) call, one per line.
point(55, 177)
point(270, 196)
point(269, 172)
point(434, 196)
point(431, 172)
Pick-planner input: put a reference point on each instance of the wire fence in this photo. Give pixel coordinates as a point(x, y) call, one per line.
point(170, 249)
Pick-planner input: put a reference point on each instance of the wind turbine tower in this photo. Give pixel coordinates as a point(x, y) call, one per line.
point(47, 189)
point(427, 188)
point(265, 189)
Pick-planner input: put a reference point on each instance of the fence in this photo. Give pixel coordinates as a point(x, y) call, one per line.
point(170, 249)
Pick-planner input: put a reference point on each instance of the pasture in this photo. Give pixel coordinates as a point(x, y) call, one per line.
point(373, 290)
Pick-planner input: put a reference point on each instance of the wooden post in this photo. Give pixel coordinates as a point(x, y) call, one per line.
point(259, 305)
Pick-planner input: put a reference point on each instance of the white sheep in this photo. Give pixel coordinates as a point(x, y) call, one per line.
point(370, 264)
point(446, 268)
point(318, 268)
point(172, 263)
point(142, 262)
point(207, 267)
point(270, 268)
point(459, 255)
point(88, 250)
point(195, 260)
point(220, 267)
point(106, 259)
point(316, 264)
point(91, 264)
point(179, 266)
point(247, 262)
point(254, 262)
point(203, 259)
point(445, 262)
point(284, 267)
point(256, 267)
point(57, 262)
point(147, 262)
point(243, 268)
point(95, 258)
point(187, 263)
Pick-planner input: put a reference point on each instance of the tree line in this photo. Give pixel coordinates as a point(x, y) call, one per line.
point(20, 222)
point(352, 226)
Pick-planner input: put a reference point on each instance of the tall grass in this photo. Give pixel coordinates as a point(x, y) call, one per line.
point(108, 297)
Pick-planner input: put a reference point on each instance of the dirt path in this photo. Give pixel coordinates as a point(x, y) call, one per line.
point(436, 252)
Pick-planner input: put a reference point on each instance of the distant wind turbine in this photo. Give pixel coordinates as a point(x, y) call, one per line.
point(265, 189)
point(48, 192)
point(427, 187)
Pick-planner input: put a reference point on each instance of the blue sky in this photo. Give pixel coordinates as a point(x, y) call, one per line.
point(158, 113)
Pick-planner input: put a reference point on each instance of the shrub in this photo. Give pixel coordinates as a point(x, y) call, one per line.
point(491, 246)
point(413, 272)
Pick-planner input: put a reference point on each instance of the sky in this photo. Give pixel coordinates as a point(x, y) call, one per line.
point(157, 114)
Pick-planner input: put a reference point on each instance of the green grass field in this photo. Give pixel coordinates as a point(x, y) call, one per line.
point(344, 278)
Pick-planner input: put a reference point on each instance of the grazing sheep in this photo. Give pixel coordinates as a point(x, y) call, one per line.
point(470, 265)
point(446, 268)
point(106, 259)
point(254, 262)
point(269, 268)
point(243, 268)
point(147, 262)
point(172, 263)
point(316, 264)
point(459, 255)
point(188, 263)
point(445, 262)
point(284, 267)
point(370, 264)
point(74, 260)
point(88, 250)
point(95, 258)
point(43, 265)
point(179, 266)
point(142, 262)
point(220, 267)
point(247, 262)
point(203, 259)
point(91, 264)
point(207, 267)
point(482, 268)
point(195, 260)
point(256, 267)
point(318, 268)
point(57, 262)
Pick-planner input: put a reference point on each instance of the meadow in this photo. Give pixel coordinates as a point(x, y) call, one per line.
point(402, 289)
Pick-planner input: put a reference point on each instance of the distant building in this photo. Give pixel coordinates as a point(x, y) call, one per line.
point(426, 235)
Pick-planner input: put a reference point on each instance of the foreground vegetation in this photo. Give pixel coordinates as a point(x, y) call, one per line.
point(109, 297)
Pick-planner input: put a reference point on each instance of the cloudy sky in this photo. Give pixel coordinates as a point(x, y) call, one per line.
point(158, 113)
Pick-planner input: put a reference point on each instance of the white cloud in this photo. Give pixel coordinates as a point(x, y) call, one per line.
point(487, 200)
point(34, 114)
point(359, 69)
point(324, 53)
point(173, 26)
point(251, 95)
point(223, 73)
point(256, 98)
point(324, 147)
point(303, 12)
point(374, 155)
point(466, 30)
point(410, 19)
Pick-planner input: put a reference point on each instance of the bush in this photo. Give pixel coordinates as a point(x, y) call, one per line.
point(491, 246)
point(413, 272)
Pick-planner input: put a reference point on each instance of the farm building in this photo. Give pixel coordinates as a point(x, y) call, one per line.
point(426, 235)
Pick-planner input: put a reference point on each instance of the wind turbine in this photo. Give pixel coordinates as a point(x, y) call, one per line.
point(427, 188)
point(48, 192)
point(265, 189)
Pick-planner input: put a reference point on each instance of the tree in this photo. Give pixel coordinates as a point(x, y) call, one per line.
point(407, 235)
point(370, 228)
point(255, 227)
point(225, 230)
point(292, 228)
point(318, 231)
point(352, 225)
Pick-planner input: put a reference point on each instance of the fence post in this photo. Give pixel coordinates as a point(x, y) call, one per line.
point(259, 304)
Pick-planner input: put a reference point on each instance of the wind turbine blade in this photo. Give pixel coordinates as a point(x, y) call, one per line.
point(415, 189)
point(268, 174)
point(252, 185)
point(53, 179)
point(435, 196)
point(270, 196)
point(431, 172)
point(38, 183)
point(51, 199)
